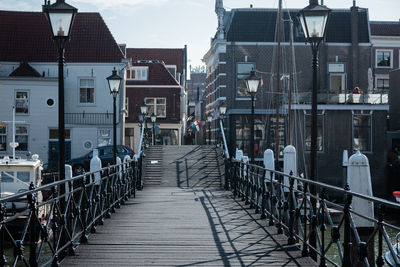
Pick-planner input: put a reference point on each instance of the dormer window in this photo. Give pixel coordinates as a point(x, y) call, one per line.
point(138, 74)
point(172, 70)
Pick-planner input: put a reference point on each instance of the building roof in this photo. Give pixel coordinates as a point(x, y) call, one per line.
point(258, 25)
point(385, 28)
point(170, 56)
point(158, 75)
point(26, 36)
point(25, 70)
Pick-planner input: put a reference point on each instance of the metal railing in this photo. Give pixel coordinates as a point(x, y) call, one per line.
point(89, 118)
point(343, 98)
point(226, 155)
point(40, 227)
point(289, 208)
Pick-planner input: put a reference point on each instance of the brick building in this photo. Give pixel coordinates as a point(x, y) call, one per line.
point(352, 112)
point(157, 78)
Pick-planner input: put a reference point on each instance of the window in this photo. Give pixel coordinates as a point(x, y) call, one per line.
point(129, 137)
point(243, 135)
point(3, 137)
point(384, 58)
point(104, 137)
point(21, 102)
point(126, 107)
point(172, 70)
point(23, 176)
point(382, 84)
point(337, 82)
point(86, 91)
point(320, 128)
point(362, 132)
point(138, 73)
point(6, 177)
point(21, 137)
point(156, 106)
point(53, 134)
point(243, 71)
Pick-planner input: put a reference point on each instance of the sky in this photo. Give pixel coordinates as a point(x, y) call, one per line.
point(176, 23)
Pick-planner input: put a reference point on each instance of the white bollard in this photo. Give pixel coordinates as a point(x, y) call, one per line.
point(289, 165)
point(269, 163)
point(359, 180)
point(95, 165)
point(345, 164)
point(239, 154)
point(119, 168)
point(68, 175)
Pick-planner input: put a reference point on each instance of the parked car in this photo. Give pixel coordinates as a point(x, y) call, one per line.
point(82, 164)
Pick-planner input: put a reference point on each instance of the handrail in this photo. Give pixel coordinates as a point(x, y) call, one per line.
point(43, 218)
point(226, 150)
point(141, 141)
point(303, 216)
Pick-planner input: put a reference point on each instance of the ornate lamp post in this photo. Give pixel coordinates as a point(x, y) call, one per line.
point(143, 112)
point(61, 17)
point(114, 82)
point(153, 118)
point(252, 83)
point(313, 20)
point(209, 119)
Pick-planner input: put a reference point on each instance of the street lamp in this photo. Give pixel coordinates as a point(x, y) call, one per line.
point(313, 20)
point(153, 118)
point(114, 82)
point(61, 17)
point(143, 109)
point(222, 110)
point(209, 119)
point(252, 83)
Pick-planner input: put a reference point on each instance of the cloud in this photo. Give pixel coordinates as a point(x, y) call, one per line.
point(118, 4)
point(19, 6)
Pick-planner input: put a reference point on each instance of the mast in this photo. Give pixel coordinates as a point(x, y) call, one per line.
point(290, 83)
point(278, 76)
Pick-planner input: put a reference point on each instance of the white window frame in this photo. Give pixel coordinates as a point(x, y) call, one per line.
point(380, 77)
point(4, 135)
point(27, 137)
point(343, 80)
point(319, 113)
point(79, 91)
point(99, 136)
point(140, 77)
point(27, 100)
point(370, 130)
point(126, 107)
point(155, 106)
point(172, 67)
point(391, 58)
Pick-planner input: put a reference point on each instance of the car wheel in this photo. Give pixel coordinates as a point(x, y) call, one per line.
point(78, 170)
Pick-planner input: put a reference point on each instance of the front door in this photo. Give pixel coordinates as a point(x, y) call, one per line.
point(54, 151)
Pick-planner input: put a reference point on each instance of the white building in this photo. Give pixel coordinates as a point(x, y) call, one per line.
point(90, 57)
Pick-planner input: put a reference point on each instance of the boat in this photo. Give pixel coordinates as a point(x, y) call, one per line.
point(16, 175)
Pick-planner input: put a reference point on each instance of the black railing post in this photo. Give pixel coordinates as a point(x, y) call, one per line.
point(84, 211)
point(227, 173)
point(306, 251)
point(323, 229)
point(292, 214)
point(280, 205)
point(257, 190)
point(234, 179)
point(380, 261)
point(32, 231)
point(250, 179)
point(347, 245)
point(271, 200)
point(3, 259)
point(264, 195)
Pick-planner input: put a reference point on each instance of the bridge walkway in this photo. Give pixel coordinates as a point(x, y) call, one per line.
point(184, 218)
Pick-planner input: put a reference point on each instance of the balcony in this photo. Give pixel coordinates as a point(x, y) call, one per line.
point(89, 118)
point(344, 98)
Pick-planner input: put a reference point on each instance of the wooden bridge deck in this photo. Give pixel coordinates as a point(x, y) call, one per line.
point(175, 226)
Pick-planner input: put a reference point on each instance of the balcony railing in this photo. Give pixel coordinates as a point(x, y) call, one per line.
point(343, 98)
point(89, 118)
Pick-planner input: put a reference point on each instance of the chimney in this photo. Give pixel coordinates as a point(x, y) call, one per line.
point(251, 5)
point(354, 45)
